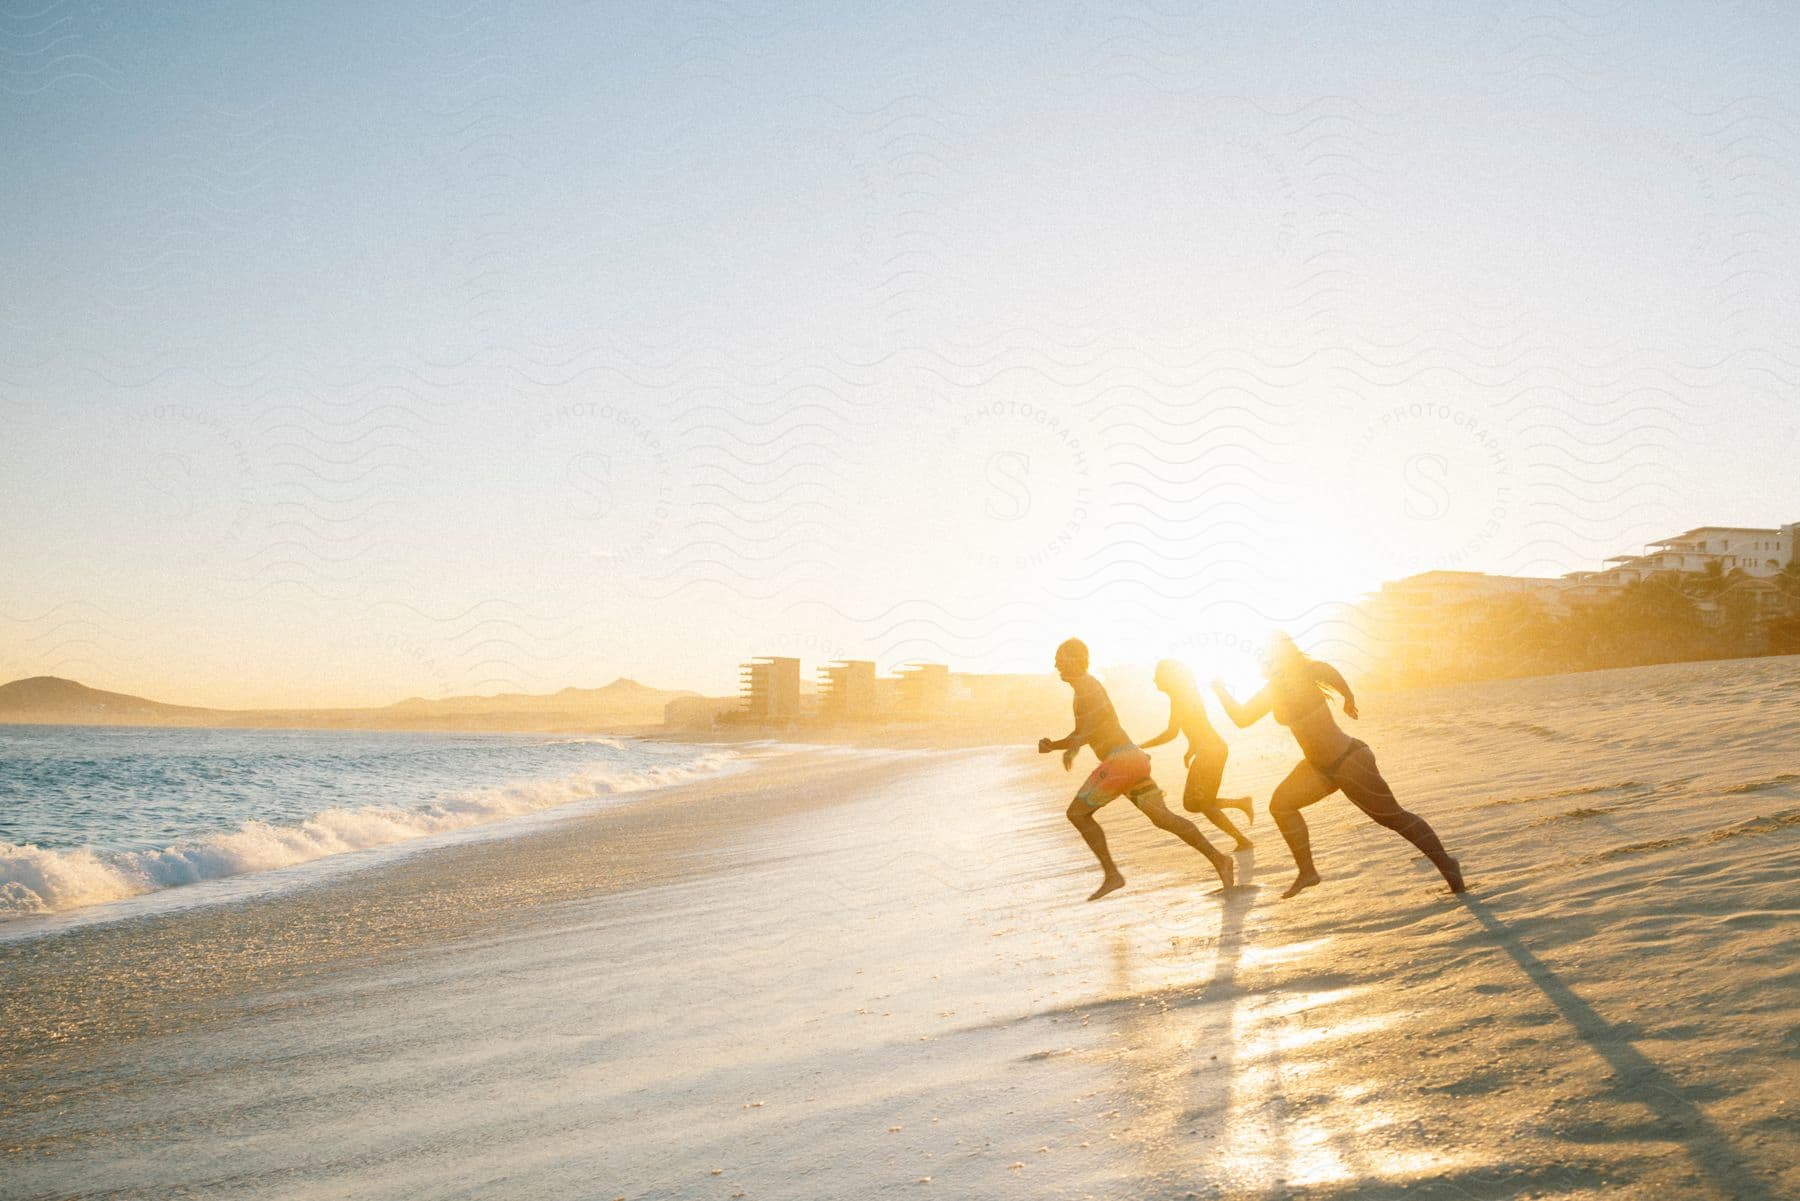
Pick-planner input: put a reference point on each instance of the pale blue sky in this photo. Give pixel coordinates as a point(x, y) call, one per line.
point(349, 354)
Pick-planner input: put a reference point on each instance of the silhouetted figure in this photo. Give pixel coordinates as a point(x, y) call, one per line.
point(1333, 760)
point(1124, 771)
point(1206, 751)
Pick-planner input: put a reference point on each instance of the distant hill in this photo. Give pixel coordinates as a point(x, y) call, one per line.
point(621, 705)
point(50, 699)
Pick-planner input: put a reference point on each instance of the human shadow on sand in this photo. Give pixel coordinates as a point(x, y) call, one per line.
point(1636, 1078)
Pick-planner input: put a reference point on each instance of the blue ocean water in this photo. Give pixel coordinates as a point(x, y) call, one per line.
point(95, 814)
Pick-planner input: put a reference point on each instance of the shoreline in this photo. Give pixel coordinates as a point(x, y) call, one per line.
point(853, 974)
point(108, 870)
point(413, 901)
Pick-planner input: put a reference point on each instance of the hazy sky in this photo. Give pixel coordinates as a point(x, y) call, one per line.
point(351, 354)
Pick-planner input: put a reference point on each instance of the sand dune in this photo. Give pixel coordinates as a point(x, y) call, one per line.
point(871, 975)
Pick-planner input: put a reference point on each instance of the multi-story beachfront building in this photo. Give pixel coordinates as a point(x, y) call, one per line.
point(1755, 551)
point(847, 690)
point(770, 689)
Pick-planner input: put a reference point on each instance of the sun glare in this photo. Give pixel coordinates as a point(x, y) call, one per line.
point(1232, 654)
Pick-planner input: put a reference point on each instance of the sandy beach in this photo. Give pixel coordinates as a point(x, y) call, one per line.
point(873, 974)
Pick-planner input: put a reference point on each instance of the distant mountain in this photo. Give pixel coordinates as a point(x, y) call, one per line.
point(621, 705)
point(46, 699)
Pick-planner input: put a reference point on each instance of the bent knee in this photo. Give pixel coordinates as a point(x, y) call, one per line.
point(1163, 819)
point(1286, 814)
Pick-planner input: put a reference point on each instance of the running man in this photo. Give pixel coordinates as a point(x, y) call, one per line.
point(1331, 760)
point(1206, 751)
point(1124, 771)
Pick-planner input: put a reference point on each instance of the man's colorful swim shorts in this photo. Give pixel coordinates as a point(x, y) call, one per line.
point(1124, 772)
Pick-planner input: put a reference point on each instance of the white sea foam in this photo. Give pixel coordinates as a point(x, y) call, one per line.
point(36, 880)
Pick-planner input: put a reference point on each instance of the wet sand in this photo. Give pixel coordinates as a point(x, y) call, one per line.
point(875, 975)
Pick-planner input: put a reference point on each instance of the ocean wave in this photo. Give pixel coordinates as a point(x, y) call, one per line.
point(36, 880)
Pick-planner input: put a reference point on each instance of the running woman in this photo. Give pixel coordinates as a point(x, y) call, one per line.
point(1206, 751)
point(1332, 760)
point(1124, 771)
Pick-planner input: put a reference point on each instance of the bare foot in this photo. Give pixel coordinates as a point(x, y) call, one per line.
point(1111, 884)
point(1453, 876)
point(1302, 882)
point(1227, 871)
